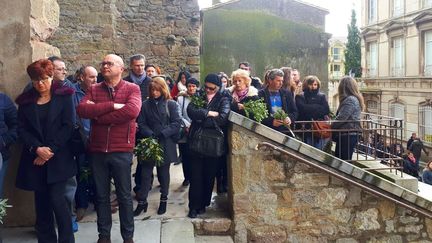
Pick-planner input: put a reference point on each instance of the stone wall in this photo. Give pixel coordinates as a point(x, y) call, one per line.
point(265, 40)
point(293, 10)
point(25, 27)
point(165, 31)
point(276, 198)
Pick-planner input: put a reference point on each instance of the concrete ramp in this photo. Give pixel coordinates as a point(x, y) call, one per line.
point(177, 231)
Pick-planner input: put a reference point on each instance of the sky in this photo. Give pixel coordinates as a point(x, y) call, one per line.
point(336, 21)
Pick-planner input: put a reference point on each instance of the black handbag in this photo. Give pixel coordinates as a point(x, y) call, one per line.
point(208, 142)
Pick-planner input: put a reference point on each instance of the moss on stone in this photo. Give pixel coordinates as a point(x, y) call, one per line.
point(231, 36)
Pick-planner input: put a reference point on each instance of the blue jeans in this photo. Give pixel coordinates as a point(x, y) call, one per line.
point(3, 169)
point(316, 142)
point(85, 189)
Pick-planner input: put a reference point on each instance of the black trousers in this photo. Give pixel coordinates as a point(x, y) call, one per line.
point(185, 159)
point(52, 203)
point(203, 171)
point(163, 174)
point(117, 166)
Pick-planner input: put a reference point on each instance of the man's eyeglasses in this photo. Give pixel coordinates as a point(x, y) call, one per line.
point(61, 69)
point(109, 64)
point(210, 88)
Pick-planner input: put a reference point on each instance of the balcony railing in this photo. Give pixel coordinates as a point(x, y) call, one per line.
point(379, 139)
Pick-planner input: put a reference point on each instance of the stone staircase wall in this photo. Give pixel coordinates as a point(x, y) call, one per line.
point(276, 198)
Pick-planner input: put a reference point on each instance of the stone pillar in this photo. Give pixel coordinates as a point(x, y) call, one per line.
point(25, 26)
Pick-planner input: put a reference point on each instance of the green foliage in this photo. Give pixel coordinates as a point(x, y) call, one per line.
point(232, 36)
point(257, 108)
point(353, 48)
point(85, 174)
point(149, 150)
point(198, 100)
point(280, 115)
point(3, 206)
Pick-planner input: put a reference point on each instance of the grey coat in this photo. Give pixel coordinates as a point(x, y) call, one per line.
point(349, 109)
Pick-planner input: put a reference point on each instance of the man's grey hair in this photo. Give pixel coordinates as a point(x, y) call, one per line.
point(136, 57)
point(275, 72)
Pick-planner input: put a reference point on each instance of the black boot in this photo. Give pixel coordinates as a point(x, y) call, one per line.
point(142, 206)
point(162, 205)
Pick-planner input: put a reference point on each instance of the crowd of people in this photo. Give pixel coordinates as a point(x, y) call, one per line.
point(79, 134)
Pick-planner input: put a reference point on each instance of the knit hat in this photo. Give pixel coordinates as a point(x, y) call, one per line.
point(193, 81)
point(214, 79)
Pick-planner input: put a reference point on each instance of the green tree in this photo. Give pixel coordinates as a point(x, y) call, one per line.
point(353, 49)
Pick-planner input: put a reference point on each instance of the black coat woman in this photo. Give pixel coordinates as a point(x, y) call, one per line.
point(46, 119)
point(312, 105)
point(214, 115)
point(159, 118)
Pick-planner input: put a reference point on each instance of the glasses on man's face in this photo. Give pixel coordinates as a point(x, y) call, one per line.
point(210, 88)
point(61, 69)
point(108, 64)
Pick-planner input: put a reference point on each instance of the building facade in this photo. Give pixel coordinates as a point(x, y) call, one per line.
point(336, 68)
point(397, 62)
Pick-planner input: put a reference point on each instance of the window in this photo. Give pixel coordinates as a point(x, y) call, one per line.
point(425, 122)
point(398, 7)
point(428, 53)
point(336, 54)
point(372, 11)
point(427, 3)
point(372, 106)
point(336, 71)
point(397, 57)
point(397, 110)
point(372, 59)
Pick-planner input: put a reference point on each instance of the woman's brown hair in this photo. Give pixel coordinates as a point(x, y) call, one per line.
point(159, 84)
point(348, 86)
point(40, 69)
point(287, 82)
point(310, 80)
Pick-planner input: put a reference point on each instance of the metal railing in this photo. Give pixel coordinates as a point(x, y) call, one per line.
point(376, 138)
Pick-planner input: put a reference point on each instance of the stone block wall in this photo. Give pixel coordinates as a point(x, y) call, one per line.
point(276, 198)
point(165, 31)
point(293, 10)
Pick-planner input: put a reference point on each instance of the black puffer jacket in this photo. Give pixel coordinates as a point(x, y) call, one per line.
point(312, 105)
point(219, 103)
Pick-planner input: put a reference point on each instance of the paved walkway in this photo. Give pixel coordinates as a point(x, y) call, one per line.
point(173, 226)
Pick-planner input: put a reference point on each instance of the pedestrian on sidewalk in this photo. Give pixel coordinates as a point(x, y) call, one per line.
point(113, 106)
point(159, 118)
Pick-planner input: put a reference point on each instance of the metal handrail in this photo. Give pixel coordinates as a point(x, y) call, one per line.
point(366, 187)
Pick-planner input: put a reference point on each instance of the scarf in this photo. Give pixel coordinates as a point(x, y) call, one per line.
point(210, 97)
point(138, 80)
point(240, 95)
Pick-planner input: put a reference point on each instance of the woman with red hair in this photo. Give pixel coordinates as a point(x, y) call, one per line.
point(45, 124)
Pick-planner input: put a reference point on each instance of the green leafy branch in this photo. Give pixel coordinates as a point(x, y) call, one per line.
point(149, 150)
point(280, 115)
point(85, 174)
point(199, 101)
point(3, 206)
point(257, 108)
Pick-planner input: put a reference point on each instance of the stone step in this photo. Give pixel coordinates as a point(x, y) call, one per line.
point(178, 231)
point(212, 226)
point(213, 239)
